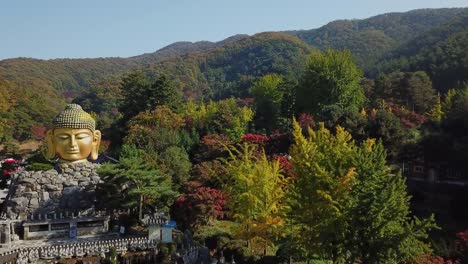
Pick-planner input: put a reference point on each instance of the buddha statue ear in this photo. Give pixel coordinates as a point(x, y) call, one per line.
point(96, 144)
point(50, 144)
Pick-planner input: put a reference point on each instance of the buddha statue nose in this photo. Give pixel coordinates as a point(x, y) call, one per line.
point(73, 143)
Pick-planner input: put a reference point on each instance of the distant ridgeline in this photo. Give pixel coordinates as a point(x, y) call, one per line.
point(433, 40)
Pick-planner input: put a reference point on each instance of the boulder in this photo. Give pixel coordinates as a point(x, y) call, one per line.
point(27, 180)
point(44, 196)
point(52, 187)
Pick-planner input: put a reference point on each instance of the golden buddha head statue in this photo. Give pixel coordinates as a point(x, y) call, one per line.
point(73, 137)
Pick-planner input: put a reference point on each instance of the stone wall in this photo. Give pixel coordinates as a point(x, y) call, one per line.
point(68, 187)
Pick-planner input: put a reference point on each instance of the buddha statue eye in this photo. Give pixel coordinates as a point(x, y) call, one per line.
point(82, 136)
point(63, 136)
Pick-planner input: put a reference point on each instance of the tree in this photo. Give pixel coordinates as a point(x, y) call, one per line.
point(141, 93)
point(256, 189)
point(436, 113)
point(347, 204)
point(267, 101)
point(135, 181)
point(136, 94)
point(176, 163)
point(165, 93)
point(319, 198)
point(160, 134)
point(103, 99)
point(380, 229)
point(419, 86)
point(448, 100)
point(200, 206)
point(447, 142)
point(155, 130)
point(225, 117)
point(6, 102)
point(331, 79)
point(410, 89)
point(231, 119)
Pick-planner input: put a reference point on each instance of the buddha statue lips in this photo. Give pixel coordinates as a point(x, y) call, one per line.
point(73, 137)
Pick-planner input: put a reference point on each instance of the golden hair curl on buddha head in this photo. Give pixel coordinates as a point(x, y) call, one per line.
point(73, 137)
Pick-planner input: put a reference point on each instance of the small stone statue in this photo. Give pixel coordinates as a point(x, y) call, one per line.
point(73, 137)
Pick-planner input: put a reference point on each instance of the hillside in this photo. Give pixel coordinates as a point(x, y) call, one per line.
point(441, 52)
point(185, 47)
point(369, 39)
point(41, 87)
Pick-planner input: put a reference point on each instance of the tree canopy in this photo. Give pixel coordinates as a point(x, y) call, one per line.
point(331, 80)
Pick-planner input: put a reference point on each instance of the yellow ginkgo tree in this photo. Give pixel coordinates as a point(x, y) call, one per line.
point(256, 189)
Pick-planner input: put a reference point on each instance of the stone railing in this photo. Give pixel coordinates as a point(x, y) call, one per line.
point(68, 250)
point(64, 215)
point(155, 219)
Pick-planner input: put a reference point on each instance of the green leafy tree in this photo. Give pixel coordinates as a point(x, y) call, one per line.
point(331, 79)
point(347, 204)
point(231, 119)
point(223, 117)
point(448, 100)
point(103, 99)
point(134, 181)
point(165, 93)
point(6, 102)
point(155, 130)
point(136, 94)
point(161, 135)
point(141, 93)
point(380, 229)
point(457, 103)
point(267, 101)
point(175, 162)
point(447, 143)
point(420, 90)
point(411, 89)
point(436, 114)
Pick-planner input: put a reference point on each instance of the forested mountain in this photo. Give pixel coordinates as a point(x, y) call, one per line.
point(214, 70)
point(441, 52)
point(40, 87)
point(184, 47)
point(368, 39)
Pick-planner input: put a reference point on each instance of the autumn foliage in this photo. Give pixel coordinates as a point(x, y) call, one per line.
point(201, 206)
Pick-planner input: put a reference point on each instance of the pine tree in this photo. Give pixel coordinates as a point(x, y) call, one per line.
point(134, 181)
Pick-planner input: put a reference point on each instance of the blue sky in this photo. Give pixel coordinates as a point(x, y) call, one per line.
point(117, 28)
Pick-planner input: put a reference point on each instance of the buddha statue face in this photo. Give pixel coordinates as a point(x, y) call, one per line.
point(73, 138)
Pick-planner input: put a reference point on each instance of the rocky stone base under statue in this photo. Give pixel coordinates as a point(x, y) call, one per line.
point(69, 187)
